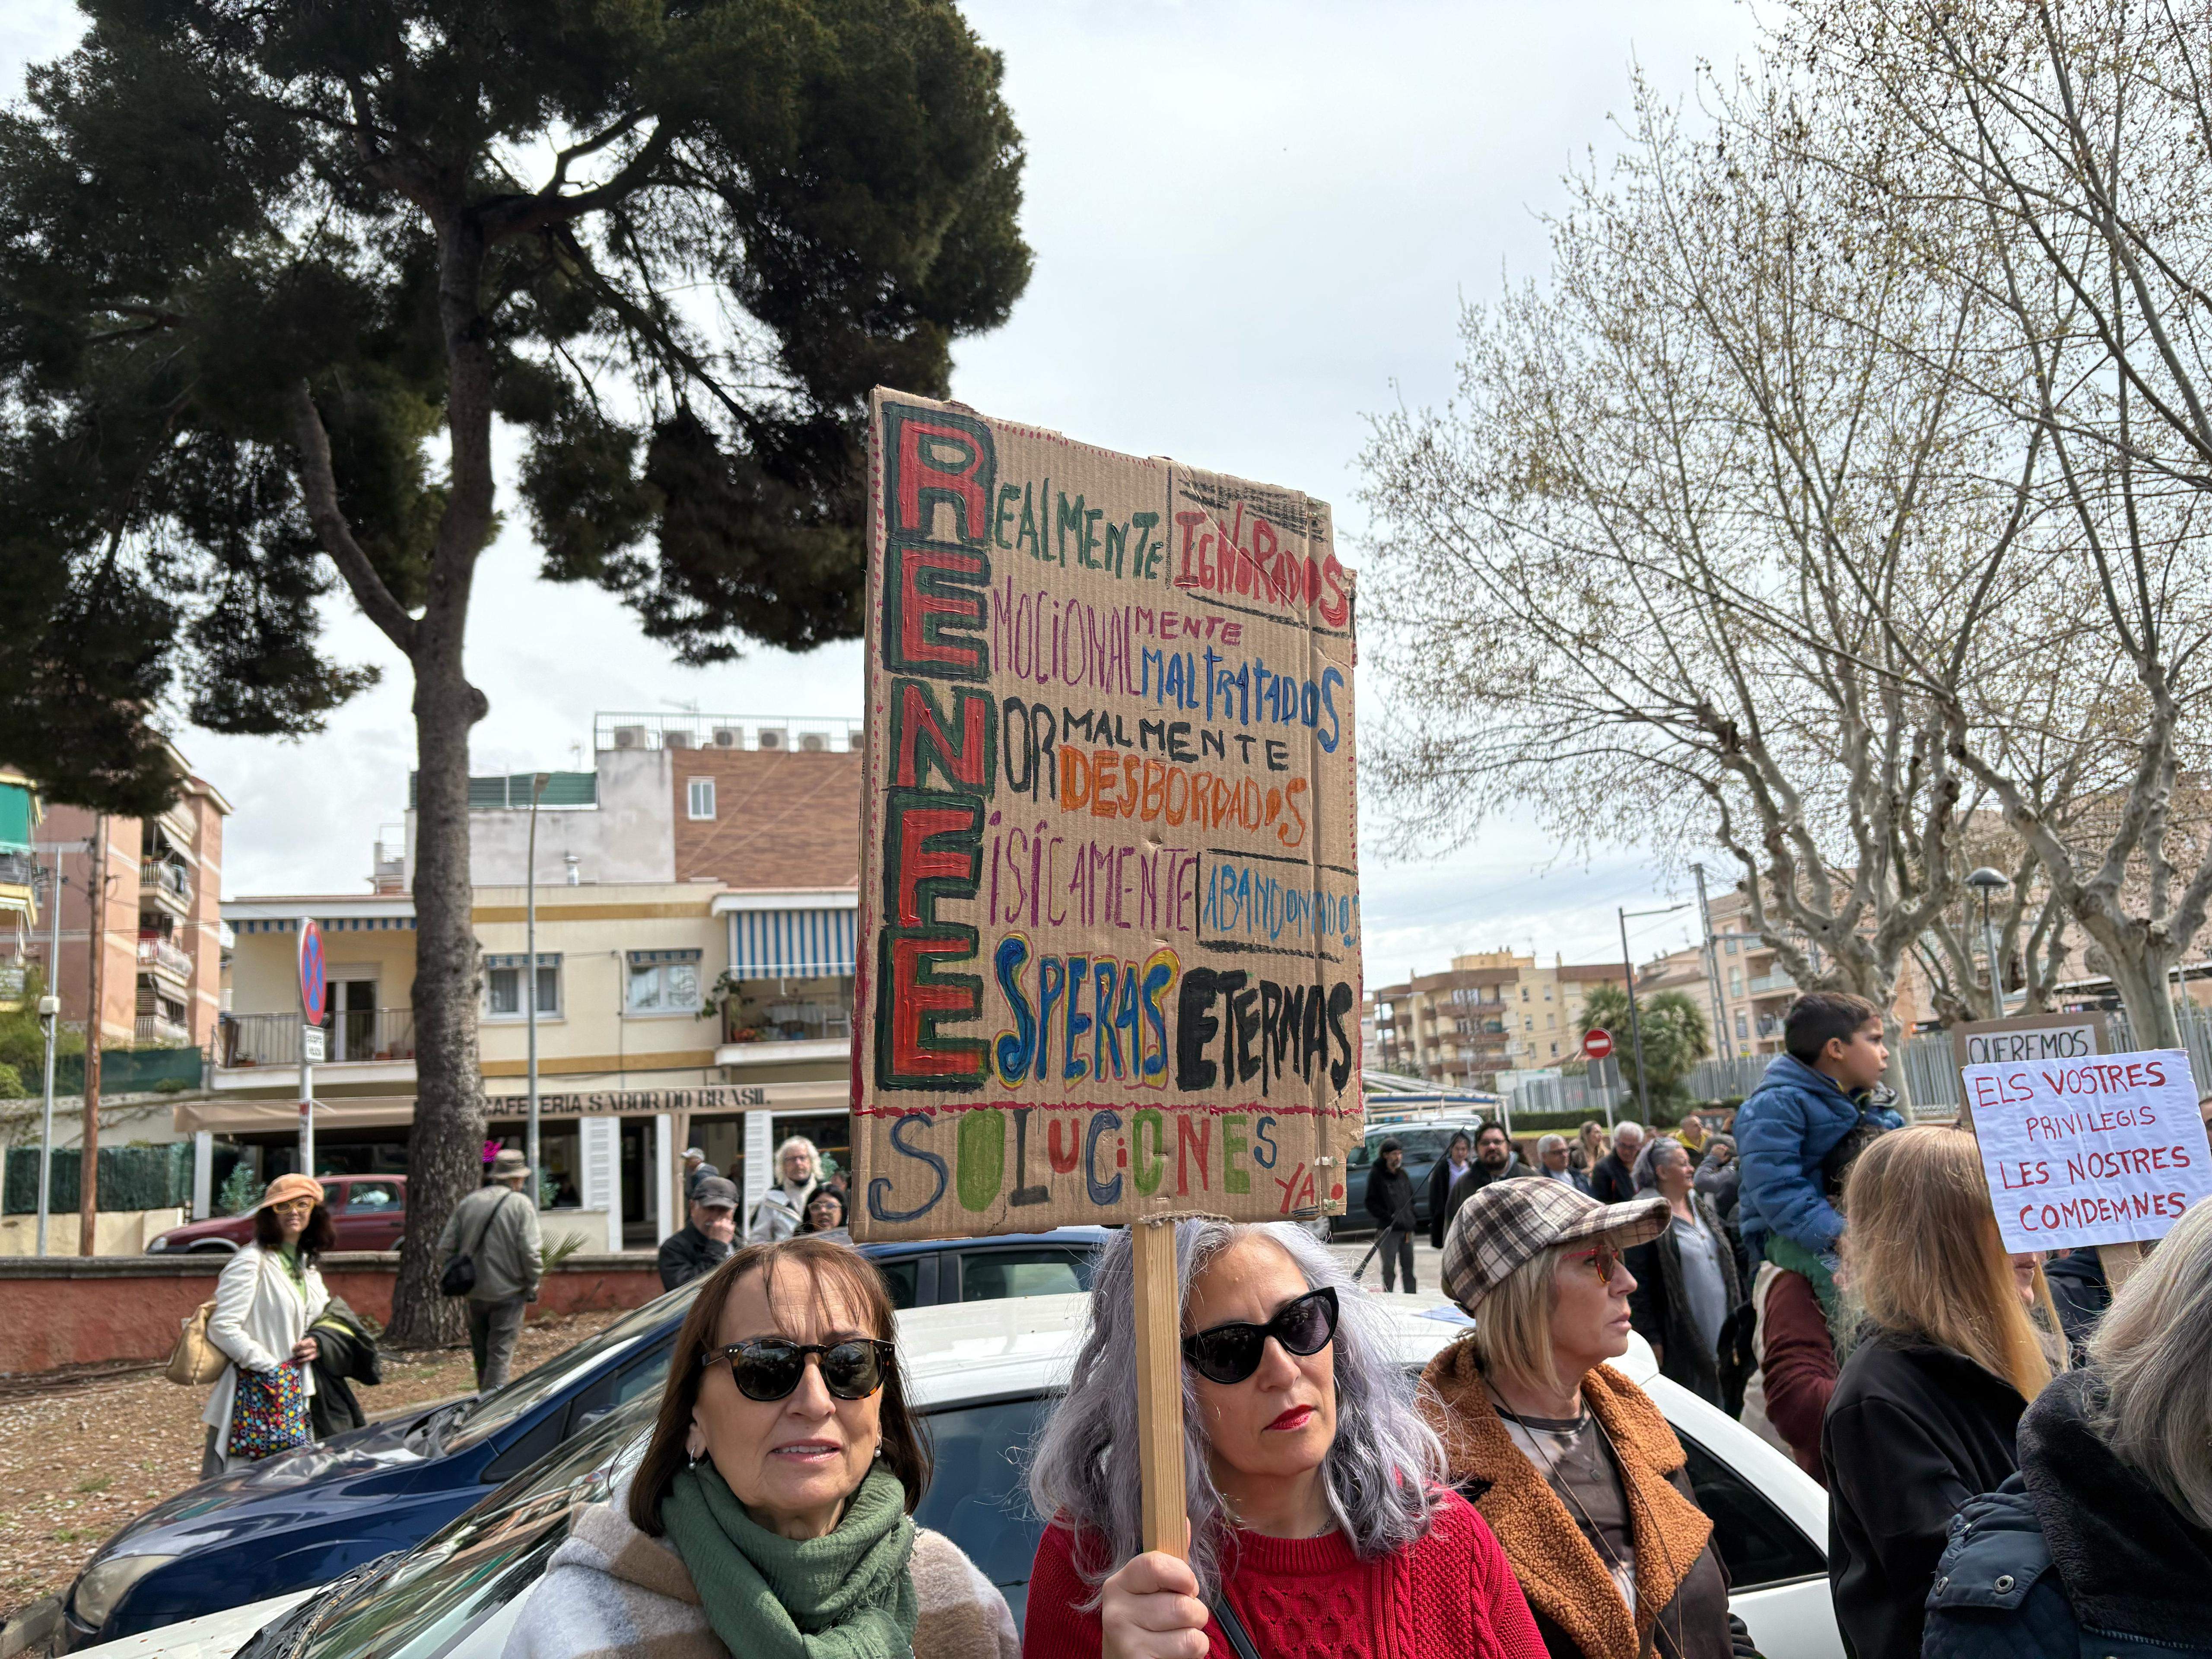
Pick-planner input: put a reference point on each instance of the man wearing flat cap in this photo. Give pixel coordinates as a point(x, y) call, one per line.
point(703, 1242)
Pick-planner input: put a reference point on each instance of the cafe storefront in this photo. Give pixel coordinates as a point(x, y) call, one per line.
point(612, 1158)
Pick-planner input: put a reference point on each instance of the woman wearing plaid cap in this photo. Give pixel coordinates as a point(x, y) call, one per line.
point(1318, 1526)
point(1570, 1463)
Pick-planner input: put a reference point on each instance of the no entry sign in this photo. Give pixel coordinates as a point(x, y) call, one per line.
point(313, 981)
point(1597, 1044)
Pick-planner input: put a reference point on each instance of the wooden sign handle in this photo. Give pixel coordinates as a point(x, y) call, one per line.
point(1160, 1387)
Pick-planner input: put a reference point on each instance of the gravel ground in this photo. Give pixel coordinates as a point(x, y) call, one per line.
point(80, 1455)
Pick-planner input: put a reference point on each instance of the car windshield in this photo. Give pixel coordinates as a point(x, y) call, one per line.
point(442, 1587)
point(526, 1393)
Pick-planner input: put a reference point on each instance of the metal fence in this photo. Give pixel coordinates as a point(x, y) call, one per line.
point(1931, 1069)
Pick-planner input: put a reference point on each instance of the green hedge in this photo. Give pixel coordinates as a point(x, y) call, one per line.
point(133, 1071)
point(130, 1178)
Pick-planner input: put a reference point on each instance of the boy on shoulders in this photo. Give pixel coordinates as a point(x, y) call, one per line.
point(1812, 1097)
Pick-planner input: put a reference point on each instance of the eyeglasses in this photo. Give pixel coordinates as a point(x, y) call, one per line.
point(1230, 1353)
point(1604, 1258)
point(768, 1368)
point(303, 1206)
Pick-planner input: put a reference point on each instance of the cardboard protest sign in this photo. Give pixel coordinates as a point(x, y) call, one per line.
point(1110, 894)
point(2104, 1150)
point(2029, 1037)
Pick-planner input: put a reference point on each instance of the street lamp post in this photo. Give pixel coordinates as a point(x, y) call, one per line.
point(1986, 881)
point(538, 782)
point(1635, 1020)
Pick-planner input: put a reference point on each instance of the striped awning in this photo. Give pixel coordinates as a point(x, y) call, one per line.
point(791, 943)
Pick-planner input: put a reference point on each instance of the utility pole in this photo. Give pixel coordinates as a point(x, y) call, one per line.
point(95, 934)
point(1712, 963)
point(538, 782)
point(50, 1008)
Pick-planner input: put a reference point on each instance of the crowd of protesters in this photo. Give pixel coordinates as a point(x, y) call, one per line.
point(2019, 1460)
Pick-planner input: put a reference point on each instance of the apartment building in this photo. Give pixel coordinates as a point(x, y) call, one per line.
point(20, 809)
point(1754, 988)
point(160, 923)
point(1492, 1011)
point(695, 896)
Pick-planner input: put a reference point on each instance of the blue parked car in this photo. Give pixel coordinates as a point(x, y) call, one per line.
point(303, 1517)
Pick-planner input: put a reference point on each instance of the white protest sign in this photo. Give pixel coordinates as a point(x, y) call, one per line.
point(2107, 1150)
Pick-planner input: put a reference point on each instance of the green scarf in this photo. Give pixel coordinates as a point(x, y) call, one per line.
point(847, 1594)
point(289, 1255)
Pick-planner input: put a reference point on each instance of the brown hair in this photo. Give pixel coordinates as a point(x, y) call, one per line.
point(320, 1234)
point(905, 1451)
point(1926, 1258)
point(1818, 1015)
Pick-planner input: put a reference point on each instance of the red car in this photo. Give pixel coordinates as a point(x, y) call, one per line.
point(369, 1212)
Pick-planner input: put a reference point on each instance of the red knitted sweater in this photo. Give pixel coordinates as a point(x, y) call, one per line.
point(1451, 1596)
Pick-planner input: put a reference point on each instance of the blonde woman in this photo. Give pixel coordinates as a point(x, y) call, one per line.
point(1570, 1462)
point(2105, 1535)
point(1927, 1406)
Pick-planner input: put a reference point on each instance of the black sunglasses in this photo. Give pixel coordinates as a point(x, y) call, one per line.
point(768, 1368)
point(1230, 1353)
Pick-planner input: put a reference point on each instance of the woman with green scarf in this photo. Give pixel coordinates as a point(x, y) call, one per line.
point(770, 1516)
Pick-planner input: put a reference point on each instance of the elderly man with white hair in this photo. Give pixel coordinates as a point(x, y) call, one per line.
point(1551, 1163)
point(1612, 1179)
point(783, 1209)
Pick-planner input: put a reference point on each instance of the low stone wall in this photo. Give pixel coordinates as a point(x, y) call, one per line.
point(115, 1232)
point(78, 1311)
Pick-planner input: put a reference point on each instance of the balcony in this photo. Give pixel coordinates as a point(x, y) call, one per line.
point(1774, 984)
point(159, 956)
point(157, 1031)
point(778, 1032)
point(357, 1037)
point(170, 883)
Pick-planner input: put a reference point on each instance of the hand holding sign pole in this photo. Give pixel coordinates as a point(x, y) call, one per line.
point(1110, 898)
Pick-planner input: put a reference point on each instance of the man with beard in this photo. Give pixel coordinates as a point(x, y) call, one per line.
point(1494, 1160)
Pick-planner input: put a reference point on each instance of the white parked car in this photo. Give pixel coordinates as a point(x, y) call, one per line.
point(983, 1373)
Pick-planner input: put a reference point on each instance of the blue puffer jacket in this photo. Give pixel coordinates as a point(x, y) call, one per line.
point(1792, 1121)
point(2076, 1557)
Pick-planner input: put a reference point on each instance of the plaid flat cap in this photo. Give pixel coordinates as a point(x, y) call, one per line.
point(1509, 1223)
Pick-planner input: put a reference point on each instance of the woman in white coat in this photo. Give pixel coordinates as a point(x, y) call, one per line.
point(268, 1297)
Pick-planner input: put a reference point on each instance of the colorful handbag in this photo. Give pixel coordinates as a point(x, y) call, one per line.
point(269, 1414)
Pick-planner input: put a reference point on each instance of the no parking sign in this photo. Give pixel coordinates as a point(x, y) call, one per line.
point(314, 983)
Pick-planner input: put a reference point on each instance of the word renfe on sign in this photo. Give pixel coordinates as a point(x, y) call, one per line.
point(1109, 885)
point(2104, 1150)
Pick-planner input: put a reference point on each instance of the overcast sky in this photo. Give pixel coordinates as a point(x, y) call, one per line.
point(1252, 226)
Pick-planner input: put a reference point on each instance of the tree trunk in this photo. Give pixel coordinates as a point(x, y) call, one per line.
point(2139, 978)
point(95, 937)
point(445, 1154)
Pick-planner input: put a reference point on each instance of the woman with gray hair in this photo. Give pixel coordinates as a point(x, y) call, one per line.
point(1317, 1526)
point(1687, 1287)
point(2102, 1541)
